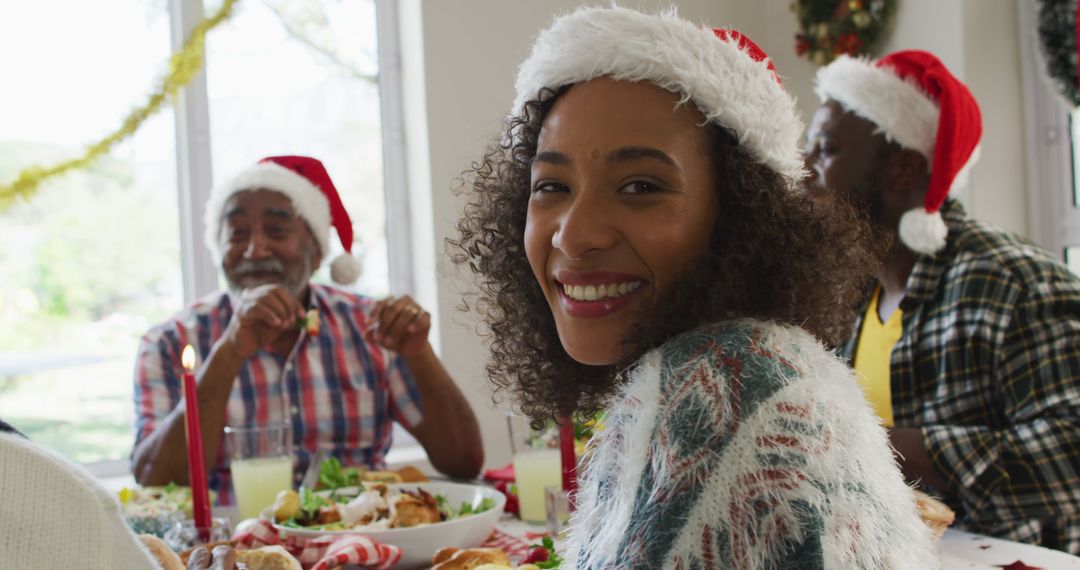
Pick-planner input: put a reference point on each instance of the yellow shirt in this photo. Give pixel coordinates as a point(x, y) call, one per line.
point(873, 355)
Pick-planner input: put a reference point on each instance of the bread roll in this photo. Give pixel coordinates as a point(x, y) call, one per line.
point(410, 474)
point(166, 558)
point(937, 515)
point(268, 558)
point(443, 554)
point(470, 558)
point(383, 477)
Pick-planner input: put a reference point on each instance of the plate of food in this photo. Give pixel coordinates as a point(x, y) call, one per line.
point(419, 518)
point(155, 510)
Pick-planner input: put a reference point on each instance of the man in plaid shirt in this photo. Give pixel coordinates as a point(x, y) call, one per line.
point(337, 367)
point(969, 347)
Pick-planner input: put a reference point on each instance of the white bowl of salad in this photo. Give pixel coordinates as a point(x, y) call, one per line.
point(420, 518)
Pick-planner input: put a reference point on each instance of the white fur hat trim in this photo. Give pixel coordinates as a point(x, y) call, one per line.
point(727, 85)
point(307, 199)
point(904, 113)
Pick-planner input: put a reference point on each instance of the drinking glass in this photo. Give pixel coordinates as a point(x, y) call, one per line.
point(262, 465)
point(557, 507)
point(537, 464)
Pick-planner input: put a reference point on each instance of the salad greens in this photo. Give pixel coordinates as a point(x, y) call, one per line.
point(466, 508)
point(332, 475)
point(486, 504)
point(310, 502)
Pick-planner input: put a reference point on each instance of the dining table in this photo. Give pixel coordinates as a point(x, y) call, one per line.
point(969, 551)
point(957, 549)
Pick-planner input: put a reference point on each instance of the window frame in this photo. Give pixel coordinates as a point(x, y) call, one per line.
point(195, 173)
point(1053, 218)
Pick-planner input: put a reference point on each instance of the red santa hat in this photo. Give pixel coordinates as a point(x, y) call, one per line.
point(918, 104)
point(728, 77)
point(313, 195)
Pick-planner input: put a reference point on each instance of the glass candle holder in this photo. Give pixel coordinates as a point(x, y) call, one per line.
point(185, 535)
point(557, 505)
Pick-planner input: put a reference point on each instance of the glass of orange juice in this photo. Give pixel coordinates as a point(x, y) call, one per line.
point(537, 465)
point(261, 465)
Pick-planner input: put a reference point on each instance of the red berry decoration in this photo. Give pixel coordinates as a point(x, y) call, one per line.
point(511, 506)
point(537, 554)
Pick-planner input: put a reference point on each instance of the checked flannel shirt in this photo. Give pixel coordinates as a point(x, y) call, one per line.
point(989, 367)
point(340, 393)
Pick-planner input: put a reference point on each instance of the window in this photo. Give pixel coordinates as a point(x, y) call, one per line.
point(100, 255)
point(288, 77)
point(89, 263)
point(1052, 150)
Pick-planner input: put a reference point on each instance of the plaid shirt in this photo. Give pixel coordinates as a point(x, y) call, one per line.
point(339, 393)
point(988, 366)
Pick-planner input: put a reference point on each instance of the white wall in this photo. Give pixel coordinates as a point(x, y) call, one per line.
point(998, 190)
point(778, 40)
point(460, 59)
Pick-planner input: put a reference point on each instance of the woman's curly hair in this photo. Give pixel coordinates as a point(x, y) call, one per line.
point(774, 255)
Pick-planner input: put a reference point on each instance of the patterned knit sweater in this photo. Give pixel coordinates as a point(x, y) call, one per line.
point(744, 445)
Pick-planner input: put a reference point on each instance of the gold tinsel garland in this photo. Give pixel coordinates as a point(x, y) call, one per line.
point(183, 66)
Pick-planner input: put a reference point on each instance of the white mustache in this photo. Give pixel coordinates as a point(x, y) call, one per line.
point(245, 268)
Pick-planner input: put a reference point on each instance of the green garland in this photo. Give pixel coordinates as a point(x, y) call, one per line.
point(830, 28)
point(183, 66)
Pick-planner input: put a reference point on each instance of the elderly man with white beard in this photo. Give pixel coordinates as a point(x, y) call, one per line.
point(337, 367)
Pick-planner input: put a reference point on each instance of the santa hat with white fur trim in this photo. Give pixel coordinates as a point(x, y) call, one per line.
point(306, 183)
point(728, 77)
point(917, 103)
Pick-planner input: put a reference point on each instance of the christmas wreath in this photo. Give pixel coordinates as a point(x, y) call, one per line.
point(829, 28)
point(1057, 45)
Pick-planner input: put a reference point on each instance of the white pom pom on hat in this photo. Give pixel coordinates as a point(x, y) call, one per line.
point(923, 231)
point(916, 102)
point(345, 269)
point(308, 186)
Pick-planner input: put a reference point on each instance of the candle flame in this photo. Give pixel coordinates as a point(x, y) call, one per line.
point(188, 358)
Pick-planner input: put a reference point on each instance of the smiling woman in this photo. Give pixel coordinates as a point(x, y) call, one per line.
point(692, 230)
point(615, 204)
point(643, 246)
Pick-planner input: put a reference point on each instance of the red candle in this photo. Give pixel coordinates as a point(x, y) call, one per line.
point(569, 460)
point(200, 496)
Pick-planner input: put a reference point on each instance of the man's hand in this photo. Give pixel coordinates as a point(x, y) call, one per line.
point(262, 314)
point(910, 450)
point(399, 324)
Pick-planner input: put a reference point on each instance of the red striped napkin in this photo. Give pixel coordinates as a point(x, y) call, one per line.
point(515, 545)
point(324, 552)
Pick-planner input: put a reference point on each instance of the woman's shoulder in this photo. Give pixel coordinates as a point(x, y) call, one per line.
point(743, 363)
point(747, 348)
point(739, 336)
